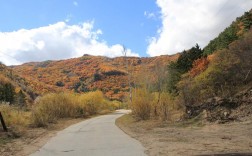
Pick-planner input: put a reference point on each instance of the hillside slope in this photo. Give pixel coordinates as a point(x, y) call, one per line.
point(87, 73)
point(203, 81)
point(219, 81)
point(13, 88)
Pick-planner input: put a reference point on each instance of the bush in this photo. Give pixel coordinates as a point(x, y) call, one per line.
point(164, 105)
point(97, 77)
point(141, 104)
point(51, 107)
point(116, 105)
point(15, 117)
point(91, 102)
point(59, 84)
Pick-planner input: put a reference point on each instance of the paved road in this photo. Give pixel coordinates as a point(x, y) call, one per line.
point(98, 136)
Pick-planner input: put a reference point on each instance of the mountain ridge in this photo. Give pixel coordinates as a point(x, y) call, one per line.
point(88, 73)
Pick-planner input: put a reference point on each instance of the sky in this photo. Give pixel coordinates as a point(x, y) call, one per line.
point(42, 30)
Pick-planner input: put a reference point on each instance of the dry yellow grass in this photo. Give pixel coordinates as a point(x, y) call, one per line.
point(146, 105)
point(15, 118)
point(141, 104)
point(53, 106)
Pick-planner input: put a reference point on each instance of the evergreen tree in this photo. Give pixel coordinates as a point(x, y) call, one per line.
point(21, 98)
point(186, 59)
point(7, 92)
point(183, 65)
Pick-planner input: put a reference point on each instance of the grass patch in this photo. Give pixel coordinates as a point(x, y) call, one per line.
point(16, 119)
point(124, 120)
point(194, 122)
point(4, 140)
point(127, 120)
point(7, 137)
point(125, 123)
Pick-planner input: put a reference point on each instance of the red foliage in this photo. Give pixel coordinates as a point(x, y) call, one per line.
point(199, 66)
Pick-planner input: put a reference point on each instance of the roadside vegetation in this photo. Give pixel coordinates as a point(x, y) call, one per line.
point(15, 118)
point(49, 108)
point(49, 113)
point(207, 79)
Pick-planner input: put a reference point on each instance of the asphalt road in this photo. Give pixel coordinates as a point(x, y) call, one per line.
point(98, 136)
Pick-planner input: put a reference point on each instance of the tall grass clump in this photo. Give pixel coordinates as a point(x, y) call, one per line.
point(91, 102)
point(141, 104)
point(15, 118)
point(153, 105)
point(167, 107)
point(51, 107)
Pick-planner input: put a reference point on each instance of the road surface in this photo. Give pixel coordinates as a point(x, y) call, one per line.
point(98, 136)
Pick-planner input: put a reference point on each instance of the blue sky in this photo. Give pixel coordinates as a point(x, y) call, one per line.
point(60, 29)
point(121, 21)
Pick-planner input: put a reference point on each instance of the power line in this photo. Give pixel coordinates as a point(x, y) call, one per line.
point(220, 9)
point(4, 54)
point(231, 12)
point(7, 55)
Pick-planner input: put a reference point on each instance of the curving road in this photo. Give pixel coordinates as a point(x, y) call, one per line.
point(98, 136)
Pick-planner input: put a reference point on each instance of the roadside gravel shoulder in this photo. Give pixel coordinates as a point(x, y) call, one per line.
point(196, 138)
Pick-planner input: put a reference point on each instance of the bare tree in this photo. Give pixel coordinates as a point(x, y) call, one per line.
point(124, 51)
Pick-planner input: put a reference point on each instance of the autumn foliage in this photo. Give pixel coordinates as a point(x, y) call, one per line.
point(87, 73)
point(220, 70)
point(199, 66)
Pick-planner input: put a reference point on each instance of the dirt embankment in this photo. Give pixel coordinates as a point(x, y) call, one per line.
point(224, 110)
point(193, 137)
point(202, 131)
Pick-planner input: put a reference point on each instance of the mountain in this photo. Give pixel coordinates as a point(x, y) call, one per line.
point(88, 73)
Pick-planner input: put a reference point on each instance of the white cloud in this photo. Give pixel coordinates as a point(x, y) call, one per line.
point(150, 15)
point(56, 41)
point(75, 3)
point(187, 22)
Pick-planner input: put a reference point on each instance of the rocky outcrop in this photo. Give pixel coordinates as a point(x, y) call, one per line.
point(222, 110)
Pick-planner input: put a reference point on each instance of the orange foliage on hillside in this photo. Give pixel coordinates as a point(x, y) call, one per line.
point(88, 73)
point(199, 66)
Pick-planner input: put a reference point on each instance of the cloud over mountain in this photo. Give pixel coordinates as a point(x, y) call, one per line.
point(56, 41)
point(187, 22)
